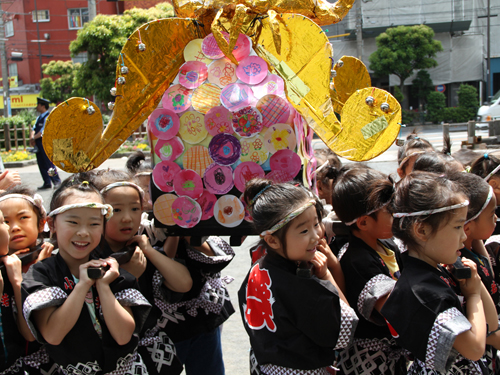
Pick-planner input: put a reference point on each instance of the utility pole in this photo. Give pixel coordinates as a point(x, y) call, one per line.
point(38, 41)
point(92, 9)
point(488, 74)
point(359, 30)
point(5, 71)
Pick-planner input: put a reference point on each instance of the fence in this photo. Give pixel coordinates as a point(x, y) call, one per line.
point(13, 137)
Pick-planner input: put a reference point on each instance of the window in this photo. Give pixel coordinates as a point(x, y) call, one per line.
point(77, 17)
point(80, 58)
point(9, 28)
point(12, 70)
point(40, 16)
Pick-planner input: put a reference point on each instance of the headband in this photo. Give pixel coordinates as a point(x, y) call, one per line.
point(292, 215)
point(430, 212)
point(36, 201)
point(142, 174)
point(121, 184)
point(497, 168)
point(258, 194)
point(106, 209)
point(368, 213)
point(488, 199)
point(405, 159)
point(321, 167)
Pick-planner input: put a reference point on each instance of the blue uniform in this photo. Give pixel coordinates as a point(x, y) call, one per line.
point(44, 163)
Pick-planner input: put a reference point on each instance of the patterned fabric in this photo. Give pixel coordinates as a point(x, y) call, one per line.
point(375, 288)
point(121, 184)
point(432, 211)
point(106, 209)
point(342, 251)
point(279, 370)
point(36, 201)
point(292, 215)
point(131, 297)
point(418, 368)
point(162, 351)
point(224, 252)
point(348, 325)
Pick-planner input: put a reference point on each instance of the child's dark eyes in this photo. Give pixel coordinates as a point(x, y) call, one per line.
point(116, 210)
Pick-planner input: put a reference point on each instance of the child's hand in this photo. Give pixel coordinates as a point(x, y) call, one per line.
point(111, 274)
point(46, 251)
point(473, 284)
point(323, 247)
point(13, 266)
point(137, 264)
point(320, 263)
point(142, 242)
point(83, 277)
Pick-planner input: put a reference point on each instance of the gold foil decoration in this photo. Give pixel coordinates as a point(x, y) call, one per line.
point(351, 76)
point(150, 74)
point(367, 130)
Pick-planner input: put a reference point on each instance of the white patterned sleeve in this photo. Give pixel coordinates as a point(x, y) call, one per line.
point(440, 354)
point(348, 322)
point(377, 287)
point(137, 302)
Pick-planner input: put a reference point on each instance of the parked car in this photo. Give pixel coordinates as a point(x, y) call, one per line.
point(488, 112)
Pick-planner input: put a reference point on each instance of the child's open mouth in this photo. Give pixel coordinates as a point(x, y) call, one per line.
point(126, 230)
point(80, 245)
point(313, 250)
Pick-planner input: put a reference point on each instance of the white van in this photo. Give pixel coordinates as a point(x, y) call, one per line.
point(489, 112)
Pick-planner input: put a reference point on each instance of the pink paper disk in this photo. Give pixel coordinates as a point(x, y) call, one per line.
point(272, 84)
point(229, 211)
point(210, 48)
point(222, 72)
point(248, 215)
point(192, 74)
point(237, 96)
point(247, 122)
point(252, 70)
point(246, 171)
point(280, 137)
point(224, 149)
point(188, 183)
point(207, 203)
point(163, 175)
point(219, 120)
point(218, 179)
point(286, 161)
point(164, 123)
point(186, 212)
point(177, 98)
point(274, 110)
point(279, 176)
point(169, 149)
point(242, 48)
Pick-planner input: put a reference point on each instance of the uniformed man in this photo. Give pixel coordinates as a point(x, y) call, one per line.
point(44, 163)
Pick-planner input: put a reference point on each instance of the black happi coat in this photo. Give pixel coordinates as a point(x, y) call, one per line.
point(485, 272)
point(426, 316)
point(48, 283)
point(293, 322)
point(367, 278)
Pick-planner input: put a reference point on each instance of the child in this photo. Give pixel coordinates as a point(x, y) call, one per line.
point(24, 213)
point(326, 160)
point(425, 314)
point(141, 171)
point(87, 325)
point(413, 146)
point(159, 276)
point(296, 316)
point(487, 166)
point(371, 266)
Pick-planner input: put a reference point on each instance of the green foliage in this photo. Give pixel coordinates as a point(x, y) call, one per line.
point(398, 94)
point(58, 84)
point(403, 49)
point(15, 124)
point(468, 100)
point(103, 39)
point(436, 102)
point(422, 85)
point(407, 116)
point(29, 115)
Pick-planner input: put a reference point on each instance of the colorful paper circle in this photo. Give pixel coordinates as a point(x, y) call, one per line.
point(279, 176)
point(252, 70)
point(248, 215)
point(177, 98)
point(192, 128)
point(218, 179)
point(219, 120)
point(224, 149)
point(242, 48)
point(187, 182)
point(163, 175)
point(247, 122)
point(164, 123)
point(192, 74)
point(222, 72)
point(169, 149)
point(193, 52)
point(253, 149)
point(285, 161)
point(205, 97)
point(229, 211)
point(280, 137)
point(162, 209)
point(207, 203)
point(246, 171)
point(236, 96)
point(272, 84)
point(274, 110)
point(197, 158)
point(186, 212)
point(210, 48)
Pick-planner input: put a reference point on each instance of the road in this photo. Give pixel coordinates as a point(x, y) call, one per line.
point(234, 338)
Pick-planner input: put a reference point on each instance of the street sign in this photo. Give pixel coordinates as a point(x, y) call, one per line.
point(441, 88)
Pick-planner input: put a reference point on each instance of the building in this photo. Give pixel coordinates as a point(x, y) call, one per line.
point(460, 25)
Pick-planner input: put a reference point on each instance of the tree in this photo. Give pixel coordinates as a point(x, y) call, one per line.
point(59, 85)
point(436, 103)
point(468, 100)
point(403, 49)
point(102, 39)
point(422, 85)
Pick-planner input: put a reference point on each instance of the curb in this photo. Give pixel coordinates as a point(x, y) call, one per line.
point(19, 164)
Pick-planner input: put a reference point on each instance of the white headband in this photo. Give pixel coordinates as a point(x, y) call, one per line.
point(497, 168)
point(106, 209)
point(142, 174)
point(488, 199)
point(405, 159)
point(292, 215)
point(368, 213)
point(430, 212)
point(121, 184)
point(36, 201)
point(321, 167)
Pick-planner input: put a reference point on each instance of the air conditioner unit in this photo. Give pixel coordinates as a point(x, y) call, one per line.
point(16, 56)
